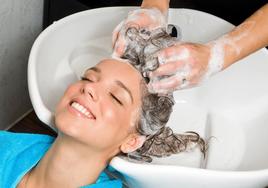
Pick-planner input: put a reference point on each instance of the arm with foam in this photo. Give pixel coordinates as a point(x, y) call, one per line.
point(246, 38)
point(162, 5)
point(185, 65)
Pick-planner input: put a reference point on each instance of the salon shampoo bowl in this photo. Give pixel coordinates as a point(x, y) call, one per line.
point(231, 108)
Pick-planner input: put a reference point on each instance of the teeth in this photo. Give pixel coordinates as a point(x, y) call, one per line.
point(81, 109)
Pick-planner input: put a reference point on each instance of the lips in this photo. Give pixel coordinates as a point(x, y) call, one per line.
point(79, 107)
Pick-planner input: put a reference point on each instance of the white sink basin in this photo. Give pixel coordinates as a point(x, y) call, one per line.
point(232, 106)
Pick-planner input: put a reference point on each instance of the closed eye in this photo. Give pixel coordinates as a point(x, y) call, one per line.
point(85, 79)
point(116, 99)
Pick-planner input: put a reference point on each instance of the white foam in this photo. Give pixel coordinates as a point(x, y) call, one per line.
point(216, 60)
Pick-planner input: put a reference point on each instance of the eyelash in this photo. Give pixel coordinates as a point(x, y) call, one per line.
point(85, 79)
point(112, 95)
point(116, 99)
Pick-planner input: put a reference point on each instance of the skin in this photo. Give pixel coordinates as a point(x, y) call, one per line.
point(141, 18)
point(197, 59)
point(248, 37)
point(162, 5)
point(84, 145)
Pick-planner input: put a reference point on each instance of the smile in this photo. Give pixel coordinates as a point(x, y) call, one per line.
point(83, 110)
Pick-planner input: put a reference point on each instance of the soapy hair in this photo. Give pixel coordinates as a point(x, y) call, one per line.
point(156, 109)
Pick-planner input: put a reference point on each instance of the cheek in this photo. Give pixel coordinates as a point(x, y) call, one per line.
point(116, 120)
point(63, 119)
point(60, 120)
point(113, 113)
point(67, 96)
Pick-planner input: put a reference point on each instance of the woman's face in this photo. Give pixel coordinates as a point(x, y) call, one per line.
point(101, 110)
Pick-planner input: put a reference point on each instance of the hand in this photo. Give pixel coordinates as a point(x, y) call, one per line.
point(148, 19)
point(185, 65)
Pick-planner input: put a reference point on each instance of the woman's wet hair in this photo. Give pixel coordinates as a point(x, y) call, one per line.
point(161, 141)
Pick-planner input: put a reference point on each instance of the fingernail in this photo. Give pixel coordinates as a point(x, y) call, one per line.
point(161, 59)
point(114, 55)
point(150, 88)
point(149, 74)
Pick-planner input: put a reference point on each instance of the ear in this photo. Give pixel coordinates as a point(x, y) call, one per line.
point(132, 143)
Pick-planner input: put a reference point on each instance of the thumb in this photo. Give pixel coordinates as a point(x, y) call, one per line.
point(116, 32)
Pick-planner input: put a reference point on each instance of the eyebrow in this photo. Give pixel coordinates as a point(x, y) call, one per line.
point(95, 69)
point(120, 84)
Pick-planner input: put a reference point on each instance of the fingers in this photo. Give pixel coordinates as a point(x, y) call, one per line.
point(116, 32)
point(181, 80)
point(172, 59)
point(182, 66)
point(120, 44)
point(141, 18)
point(179, 51)
point(169, 84)
point(167, 69)
point(120, 38)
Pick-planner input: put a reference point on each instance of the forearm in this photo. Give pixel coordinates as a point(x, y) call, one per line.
point(246, 38)
point(162, 5)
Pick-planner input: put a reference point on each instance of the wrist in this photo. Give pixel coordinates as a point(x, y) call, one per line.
point(225, 50)
point(216, 58)
point(161, 5)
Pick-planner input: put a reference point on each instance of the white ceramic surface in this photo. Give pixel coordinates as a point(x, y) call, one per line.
point(232, 106)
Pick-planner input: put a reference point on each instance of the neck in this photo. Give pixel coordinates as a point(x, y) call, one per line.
point(68, 163)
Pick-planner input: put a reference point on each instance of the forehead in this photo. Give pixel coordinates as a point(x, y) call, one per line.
point(123, 69)
point(114, 70)
point(117, 65)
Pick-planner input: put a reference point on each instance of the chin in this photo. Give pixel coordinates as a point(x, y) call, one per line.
point(68, 125)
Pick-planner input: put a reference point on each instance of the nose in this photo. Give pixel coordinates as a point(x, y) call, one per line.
point(90, 90)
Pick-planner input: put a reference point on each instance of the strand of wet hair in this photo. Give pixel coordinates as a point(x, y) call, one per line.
point(166, 143)
point(156, 109)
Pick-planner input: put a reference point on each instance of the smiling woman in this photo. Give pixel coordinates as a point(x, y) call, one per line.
point(106, 113)
point(95, 119)
point(100, 110)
